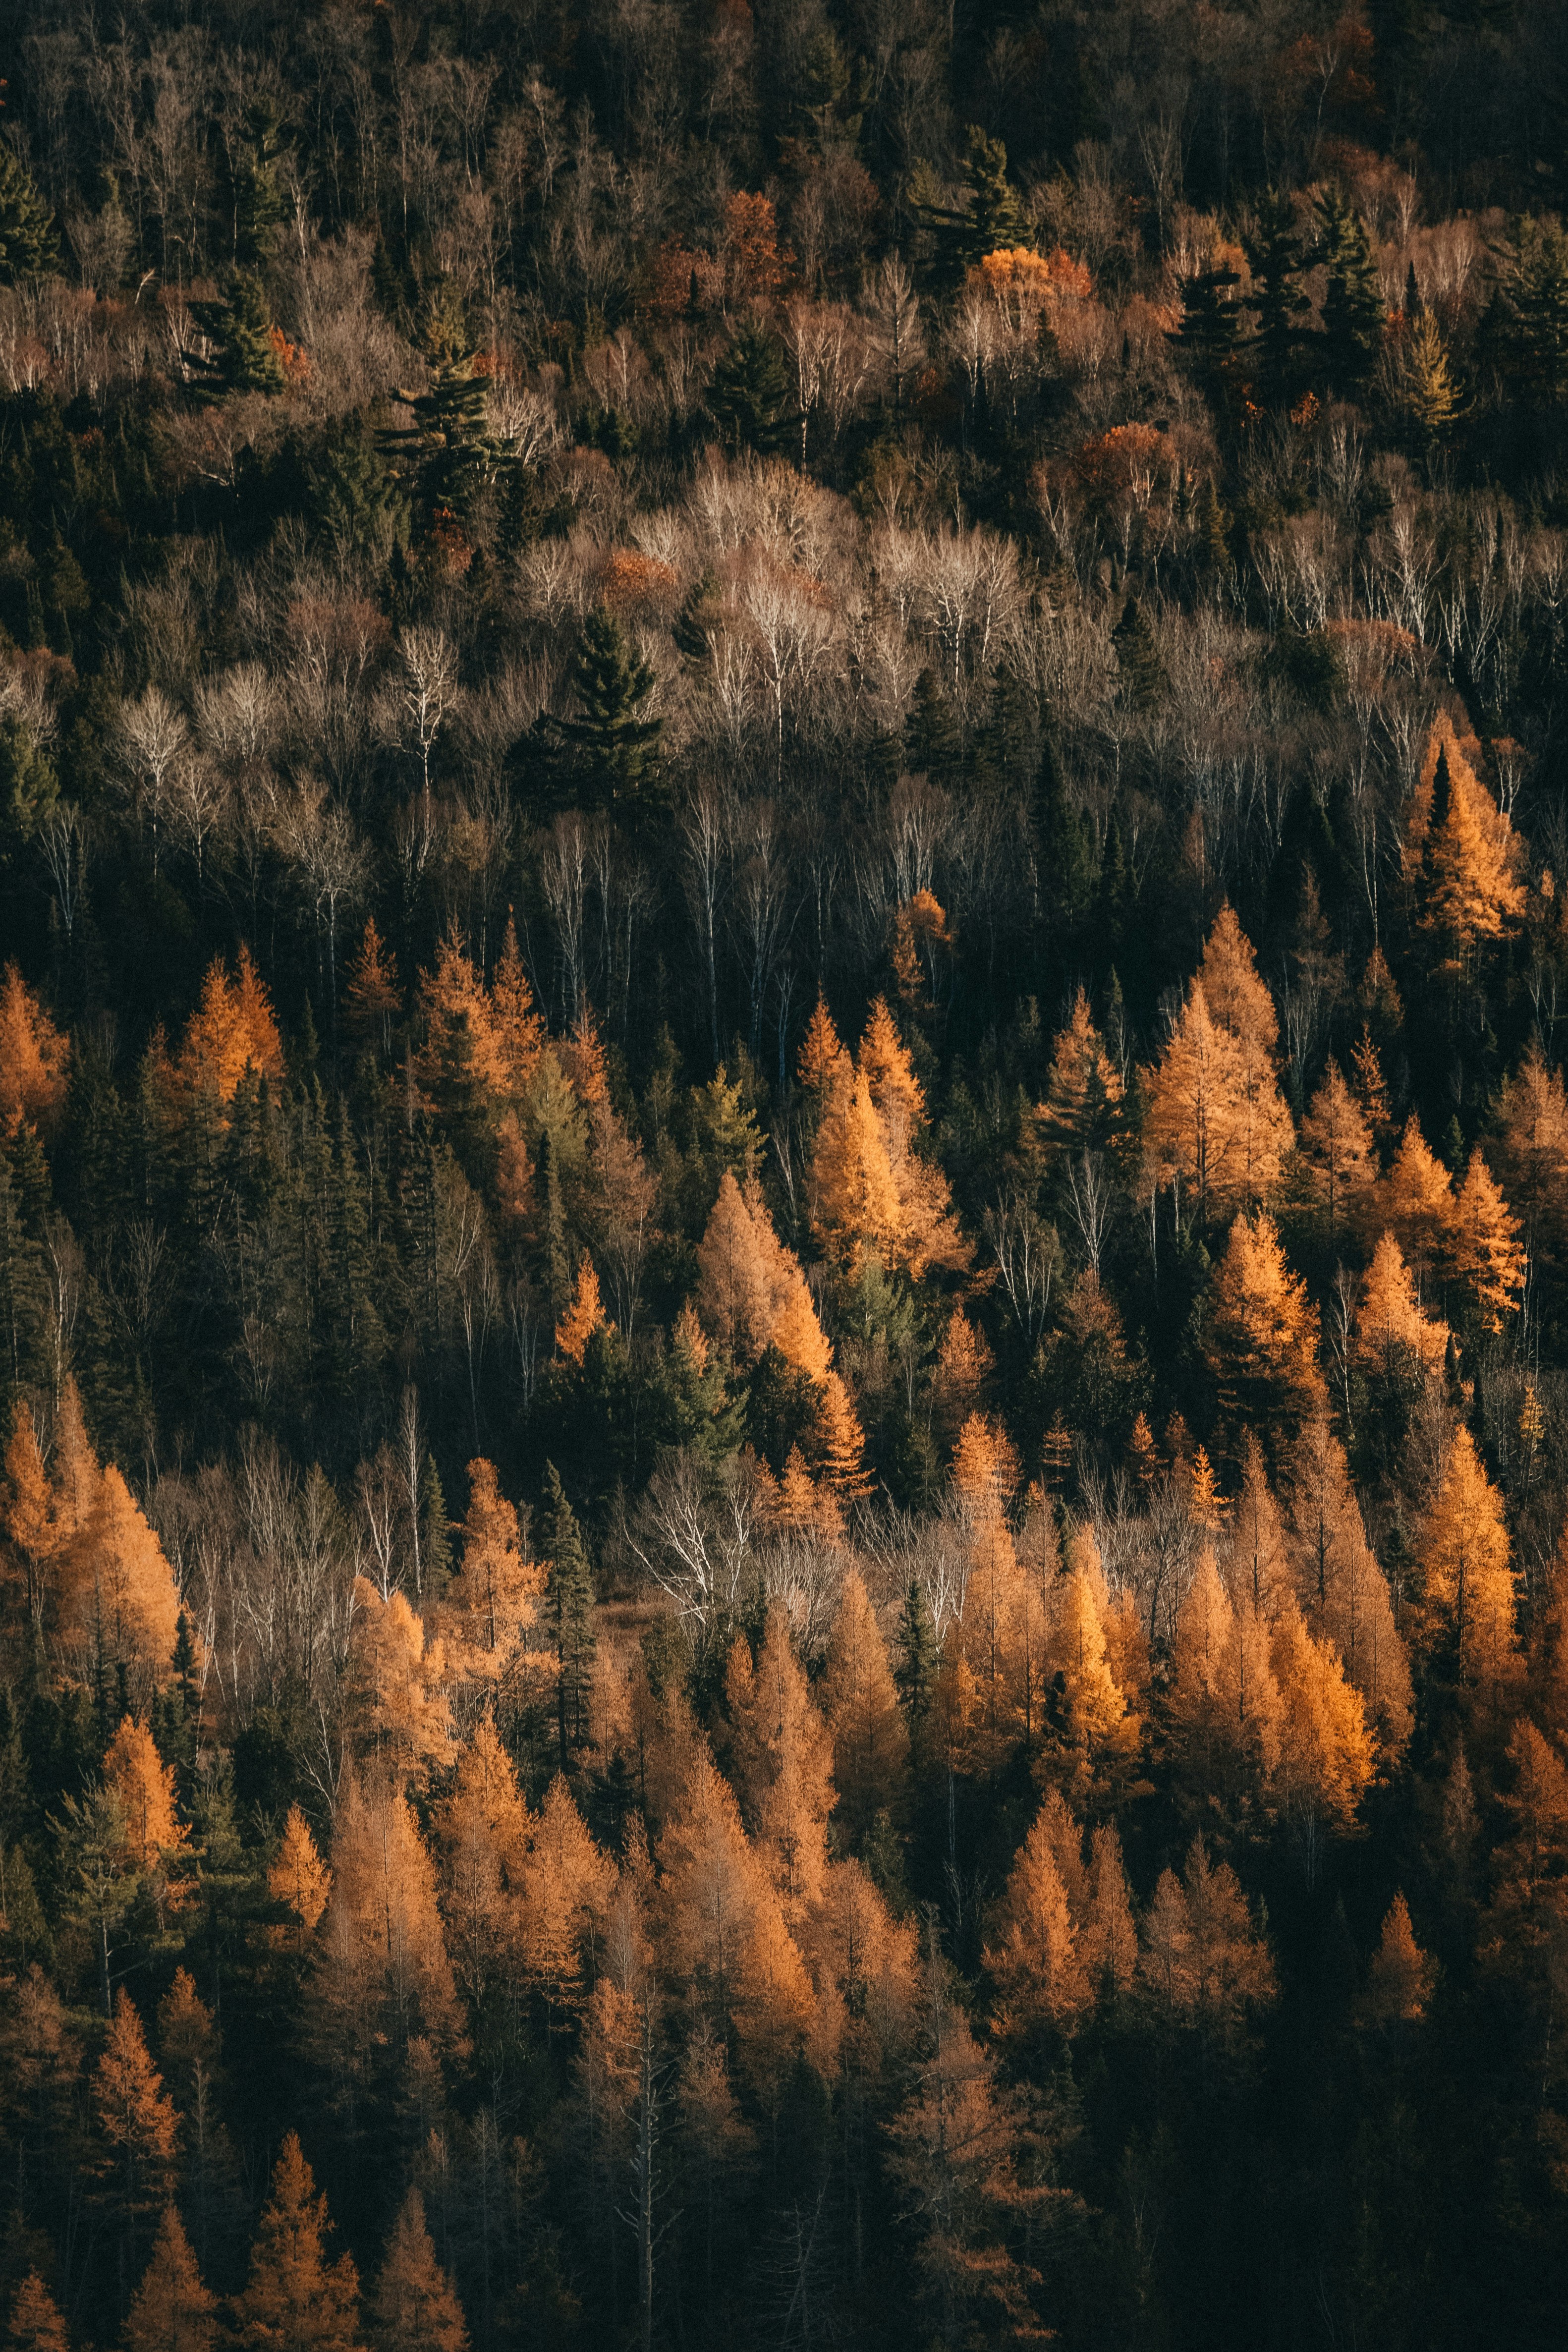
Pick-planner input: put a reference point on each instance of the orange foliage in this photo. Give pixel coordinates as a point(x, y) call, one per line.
point(171, 2310)
point(414, 2307)
point(494, 1596)
point(144, 1787)
point(1263, 1338)
point(297, 1874)
point(1391, 1330)
point(1417, 1201)
point(1399, 1982)
point(583, 1318)
point(871, 1741)
point(1487, 1255)
point(232, 1030)
point(1462, 857)
point(1467, 1566)
point(1084, 1095)
point(35, 1059)
point(295, 2298)
point(409, 1723)
point(382, 1969)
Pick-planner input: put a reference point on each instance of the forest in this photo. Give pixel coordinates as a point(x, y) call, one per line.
point(783, 1175)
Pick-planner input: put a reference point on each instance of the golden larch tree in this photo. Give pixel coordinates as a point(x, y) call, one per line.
point(1258, 1562)
point(1487, 1253)
point(35, 1060)
point(1215, 1119)
point(483, 1829)
point(781, 1763)
point(1262, 1342)
point(1417, 1201)
point(493, 1599)
point(584, 1315)
point(233, 1029)
point(1466, 1565)
point(1532, 1151)
point(1459, 850)
point(405, 1721)
point(1337, 1150)
point(35, 2324)
point(381, 1976)
point(1399, 1981)
point(171, 2310)
point(295, 2299)
point(838, 1443)
point(1393, 1338)
point(1084, 1094)
point(1202, 1963)
point(1030, 1953)
point(413, 2307)
point(298, 1877)
point(135, 2115)
point(860, 1700)
point(1326, 1758)
point(567, 1886)
point(1106, 1937)
point(145, 1785)
point(1099, 1729)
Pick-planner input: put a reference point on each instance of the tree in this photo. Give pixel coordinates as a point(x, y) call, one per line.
point(136, 2117)
point(1337, 1148)
point(1031, 1954)
point(1263, 1335)
point(298, 1877)
point(860, 1701)
point(30, 787)
point(1488, 1254)
point(1215, 1115)
point(1325, 1751)
point(295, 2300)
point(35, 2324)
point(748, 396)
point(1399, 1981)
point(29, 248)
point(35, 1059)
point(407, 1717)
point(238, 325)
point(838, 1443)
point(915, 1673)
point(494, 1597)
point(781, 1764)
point(1082, 1110)
point(1465, 1567)
point(413, 2307)
point(1459, 855)
point(957, 2155)
point(616, 745)
point(1428, 397)
point(1393, 1337)
point(1203, 1964)
point(569, 1601)
point(1417, 1199)
point(1278, 299)
point(483, 1828)
point(1212, 337)
point(988, 217)
point(233, 1030)
point(143, 1786)
point(1353, 315)
point(173, 2311)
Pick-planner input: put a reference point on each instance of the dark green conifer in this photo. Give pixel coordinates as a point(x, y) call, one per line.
point(29, 248)
point(615, 746)
point(749, 397)
point(569, 1599)
point(915, 1669)
point(239, 324)
point(1354, 307)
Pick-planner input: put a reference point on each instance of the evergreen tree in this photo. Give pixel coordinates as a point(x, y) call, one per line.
point(1065, 862)
point(1278, 301)
point(569, 1603)
point(918, 1657)
point(616, 747)
point(1353, 306)
point(29, 248)
point(988, 217)
point(239, 322)
point(29, 786)
point(749, 397)
point(257, 198)
point(1138, 656)
point(1211, 340)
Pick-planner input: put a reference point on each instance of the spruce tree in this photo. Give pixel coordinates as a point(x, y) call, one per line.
point(240, 324)
point(614, 744)
point(569, 1598)
point(1278, 301)
point(29, 248)
point(1064, 851)
point(1354, 307)
point(257, 199)
point(1138, 656)
point(1210, 339)
point(988, 219)
point(914, 1675)
point(748, 396)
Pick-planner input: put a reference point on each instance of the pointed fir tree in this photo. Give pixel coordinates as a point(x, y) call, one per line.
point(239, 322)
point(29, 247)
point(1278, 301)
point(568, 1606)
point(615, 746)
point(1353, 306)
point(749, 397)
point(918, 1658)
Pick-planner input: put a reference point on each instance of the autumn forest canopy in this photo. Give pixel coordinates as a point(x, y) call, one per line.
point(783, 1176)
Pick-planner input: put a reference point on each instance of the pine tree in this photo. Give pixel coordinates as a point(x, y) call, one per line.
point(616, 747)
point(1211, 340)
point(1065, 862)
point(295, 2300)
point(257, 199)
point(239, 323)
point(915, 1673)
point(569, 1603)
point(1031, 1955)
point(35, 1059)
point(413, 2307)
point(1138, 656)
point(1263, 1335)
point(988, 220)
point(29, 247)
point(1082, 1110)
point(143, 1786)
point(1278, 301)
point(1353, 306)
point(748, 396)
point(173, 2311)
point(1393, 1336)
point(1337, 1149)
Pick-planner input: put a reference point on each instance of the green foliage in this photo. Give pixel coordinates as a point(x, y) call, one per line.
point(988, 217)
point(239, 324)
point(1354, 310)
point(29, 248)
point(569, 1599)
point(749, 397)
point(30, 787)
point(614, 745)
